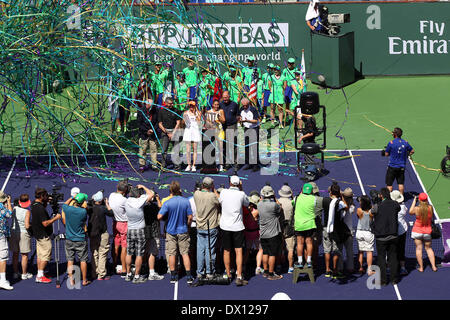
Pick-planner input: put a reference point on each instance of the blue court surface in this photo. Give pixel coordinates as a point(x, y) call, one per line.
point(362, 172)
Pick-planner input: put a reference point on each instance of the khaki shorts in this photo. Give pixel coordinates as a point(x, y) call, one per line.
point(179, 240)
point(290, 243)
point(4, 254)
point(44, 249)
point(20, 242)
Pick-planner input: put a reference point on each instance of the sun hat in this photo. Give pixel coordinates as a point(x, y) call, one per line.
point(267, 192)
point(423, 197)
point(291, 60)
point(3, 197)
point(25, 204)
point(81, 197)
point(285, 191)
point(74, 191)
point(348, 192)
point(397, 196)
point(270, 65)
point(254, 199)
point(98, 196)
point(315, 189)
point(307, 188)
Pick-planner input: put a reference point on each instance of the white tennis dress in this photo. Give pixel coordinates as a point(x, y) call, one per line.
point(192, 130)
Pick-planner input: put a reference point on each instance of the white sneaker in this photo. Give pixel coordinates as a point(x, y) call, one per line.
point(118, 269)
point(5, 285)
point(188, 168)
point(155, 277)
point(26, 276)
point(221, 169)
point(193, 169)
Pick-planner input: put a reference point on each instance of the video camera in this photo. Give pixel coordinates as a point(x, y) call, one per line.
point(54, 198)
point(330, 21)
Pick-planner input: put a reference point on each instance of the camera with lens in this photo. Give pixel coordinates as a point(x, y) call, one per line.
point(54, 198)
point(330, 21)
point(374, 196)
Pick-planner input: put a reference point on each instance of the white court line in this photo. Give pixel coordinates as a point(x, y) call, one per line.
point(175, 291)
point(399, 297)
point(9, 174)
point(423, 187)
point(357, 172)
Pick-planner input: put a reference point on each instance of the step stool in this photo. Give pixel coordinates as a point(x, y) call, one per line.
point(298, 271)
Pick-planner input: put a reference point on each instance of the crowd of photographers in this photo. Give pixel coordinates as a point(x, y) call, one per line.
point(217, 234)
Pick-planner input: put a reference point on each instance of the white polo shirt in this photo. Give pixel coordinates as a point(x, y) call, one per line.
point(232, 200)
point(117, 204)
point(250, 114)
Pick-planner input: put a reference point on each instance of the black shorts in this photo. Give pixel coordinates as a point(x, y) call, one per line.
point(233, 239)
point(272, 246)
point(395, 174)
point(306, 233)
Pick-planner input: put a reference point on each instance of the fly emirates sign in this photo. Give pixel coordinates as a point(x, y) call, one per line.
point(433, 40)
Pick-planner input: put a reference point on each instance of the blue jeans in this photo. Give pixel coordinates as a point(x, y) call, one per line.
point(203, 251)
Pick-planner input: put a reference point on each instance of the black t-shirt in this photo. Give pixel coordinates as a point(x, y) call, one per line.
point(150, 216)
point(309, 127)
point(231, 111)
point(168, 118)
point(38, 215)
point(97, 219)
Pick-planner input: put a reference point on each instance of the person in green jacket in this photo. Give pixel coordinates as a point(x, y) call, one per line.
point(159, 77)
point(297, 89)
point(235, 86)
point(181, 92)
point(276, 99)
point(205, 90)
point(124, 93)
point(289, 75)
point(266, 90)
point(247, 74)
point(191, 75)
point(304, 224)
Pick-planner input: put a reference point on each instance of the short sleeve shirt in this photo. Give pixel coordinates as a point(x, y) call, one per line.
point(134, 209)
point(178, 209)
point(191, 76)
point(75, 222)
point(398, 150)
point(117, 204)
point(38, 215)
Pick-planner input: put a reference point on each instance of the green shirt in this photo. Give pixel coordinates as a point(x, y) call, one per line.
point(191, 76)
point(295, 97)
point(181, 94)
point(159, 81)
point(234, 88)
point(247, 73)
point(205, 91)
point(265, 78)
point(289, 75)
point(259, 89)
point(277, 92)
point(304, 216)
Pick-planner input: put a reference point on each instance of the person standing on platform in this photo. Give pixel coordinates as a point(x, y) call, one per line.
point(288, 75)
point(191, 136)
point(169, 122)
point(398, 151)
point(214, 128)
point(181, 92)
point(235, 85)
point(205, 91)
point(266, 92)
point(191, 75)
point(159, 78)
point(297, 89)
point(277, 95)
point(231, 111)
point(247, 74)
point(124, 93)
point(250, 120)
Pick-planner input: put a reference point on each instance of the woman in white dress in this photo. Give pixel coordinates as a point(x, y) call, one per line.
point(191, 135)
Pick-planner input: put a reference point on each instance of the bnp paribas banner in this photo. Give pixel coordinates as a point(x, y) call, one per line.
point(390, 38)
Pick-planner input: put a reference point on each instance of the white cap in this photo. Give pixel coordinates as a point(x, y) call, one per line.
point(98, 196)
point(234, 180)
point(74, 191)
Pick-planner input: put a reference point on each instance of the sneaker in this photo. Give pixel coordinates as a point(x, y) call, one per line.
point(188, 168)
point(209, 276)
point(290, 270)
point(259, 270)
point(241, 282)
point(140, 279)
point(104, 278)
point(16, 276)
point(309, 265)
point(328, 274)
point(43, 279)
point(193, 169)
point(265, 274)
point(128, 277)
point(174, 278)
point(5, 285)
point(403, 271)
point(125, 129)
point(221, 169)
point(338, 275)
point(275, 277)
point(189, 279)
point(26, 276)
point(263, 120)
point(118, 269)
point(155, 277)
point(123, 275)
point(298, 265)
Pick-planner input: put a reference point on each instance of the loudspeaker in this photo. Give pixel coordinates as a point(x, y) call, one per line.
point(309, 102)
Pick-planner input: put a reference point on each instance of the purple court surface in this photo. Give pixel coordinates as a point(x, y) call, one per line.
point(364, 172)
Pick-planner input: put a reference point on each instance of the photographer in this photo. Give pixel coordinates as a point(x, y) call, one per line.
point(5, 213)
point(98, 234)
point(120, 225)
point(134, 209)
point(270, 214)
point(398, 151)
point(313, 19)
point(152, 235)
point(76, 242)
point(41, 224)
